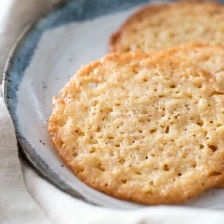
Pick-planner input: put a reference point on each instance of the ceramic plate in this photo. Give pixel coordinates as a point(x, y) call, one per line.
point(44, 59)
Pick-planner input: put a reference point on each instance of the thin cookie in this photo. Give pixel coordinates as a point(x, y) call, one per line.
point(160, 26)
point(139, 128)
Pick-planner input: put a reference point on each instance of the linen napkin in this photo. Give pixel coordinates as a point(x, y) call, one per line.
point(16, 204)
point(27, 198)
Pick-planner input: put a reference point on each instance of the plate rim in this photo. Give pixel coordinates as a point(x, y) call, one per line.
point(24, 149)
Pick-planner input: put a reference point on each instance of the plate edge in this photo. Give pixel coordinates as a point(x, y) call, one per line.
point(38, 167)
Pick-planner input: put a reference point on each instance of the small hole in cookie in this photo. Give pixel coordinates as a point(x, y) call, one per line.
point(80, 169)
point(127, 49)
point(135, 70)
point(205, 133)
point(100, 167)
point(124, 181)
point(112, 153)
point(173, 86)
point(151, 183)
point(78, 130)
point(75, 154)
point(95, 102)
point(122, 161)
point(142, 119)
point(92, 150)
point(213, 147)
point(179, 174)
point(214, 173)
point(148, 119)
point(201, 146)
point(92, 141)
point(167, 130)
point(153, 130)
point(138, 173)
point(178, 116)
point(200, 123)
point(148, 192)
point(199, 85)
point(166, 167)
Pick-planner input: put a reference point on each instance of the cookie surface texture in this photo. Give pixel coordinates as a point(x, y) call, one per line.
point(209, 58)
point(164, 25)
point(141, 128)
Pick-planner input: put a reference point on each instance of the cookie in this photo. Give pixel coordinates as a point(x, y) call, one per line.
point(142, 128)
point(209, 58)
point(161, 26)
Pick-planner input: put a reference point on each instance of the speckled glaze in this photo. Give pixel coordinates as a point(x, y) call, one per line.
point(44, 58)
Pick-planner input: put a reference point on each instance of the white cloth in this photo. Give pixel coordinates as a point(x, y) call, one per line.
point(27, 198)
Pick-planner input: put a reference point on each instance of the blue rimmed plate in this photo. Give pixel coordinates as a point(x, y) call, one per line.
point(47, 54)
